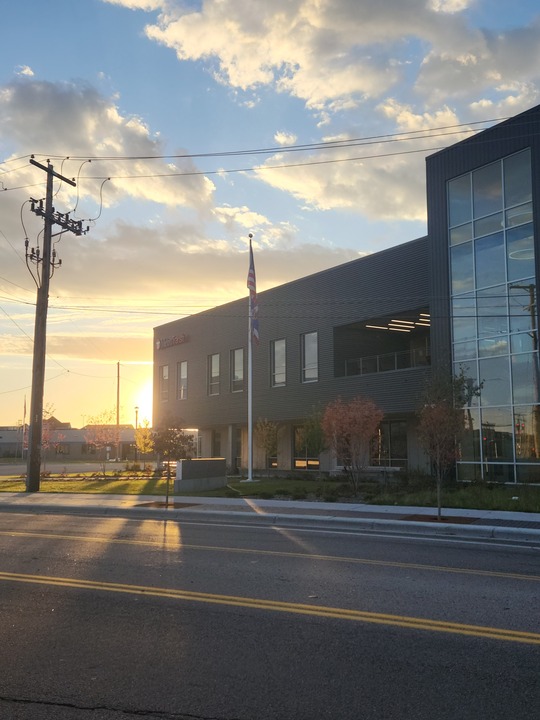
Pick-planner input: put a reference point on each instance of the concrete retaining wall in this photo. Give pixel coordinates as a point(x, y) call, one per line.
point(200, 474)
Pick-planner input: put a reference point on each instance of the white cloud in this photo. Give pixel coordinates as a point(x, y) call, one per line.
point(285, 138)
point(337, 54)
point(242, 216)
point(138, 4)
point(449, 6)
point(68, 120)
point(385, 187)
point(322, 51)
point(512, 99)
point(25, 70)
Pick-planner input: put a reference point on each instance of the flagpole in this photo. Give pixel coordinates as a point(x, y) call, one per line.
point(250, 377)
point(250, 396)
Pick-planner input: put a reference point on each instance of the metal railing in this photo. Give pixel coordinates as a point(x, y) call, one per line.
point(388, 362)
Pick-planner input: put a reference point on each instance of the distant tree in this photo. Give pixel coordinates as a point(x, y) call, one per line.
point(144, 439)
point(47, 432)
point(442, 422)
point(266, 437)
point(101, 433)
point(349, 429)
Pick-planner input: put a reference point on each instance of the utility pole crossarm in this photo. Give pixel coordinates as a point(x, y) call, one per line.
point(49, 169)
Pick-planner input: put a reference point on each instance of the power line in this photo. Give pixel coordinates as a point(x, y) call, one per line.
point(327, 144)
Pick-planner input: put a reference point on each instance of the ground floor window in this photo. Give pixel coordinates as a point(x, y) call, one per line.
point(390, 445)
point(305, 455)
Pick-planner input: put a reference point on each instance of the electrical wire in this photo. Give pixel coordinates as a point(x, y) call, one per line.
point(28, 387)
point(281, 150)
point(328, 144)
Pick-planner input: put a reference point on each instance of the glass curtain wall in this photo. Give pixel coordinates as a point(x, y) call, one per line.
point(494, 319)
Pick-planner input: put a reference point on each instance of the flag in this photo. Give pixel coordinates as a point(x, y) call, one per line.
point(253, 303)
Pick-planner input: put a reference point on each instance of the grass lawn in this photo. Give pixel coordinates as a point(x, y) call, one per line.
point(523, 498)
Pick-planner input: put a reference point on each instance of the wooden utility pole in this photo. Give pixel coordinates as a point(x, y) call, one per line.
point(42, 278)
point(117, 412)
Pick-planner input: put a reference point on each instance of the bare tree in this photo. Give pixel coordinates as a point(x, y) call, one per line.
point(349, 429)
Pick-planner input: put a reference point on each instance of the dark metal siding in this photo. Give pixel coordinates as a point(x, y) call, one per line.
point(392, 281)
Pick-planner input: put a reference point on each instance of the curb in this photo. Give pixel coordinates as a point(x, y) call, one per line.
point(301, 521)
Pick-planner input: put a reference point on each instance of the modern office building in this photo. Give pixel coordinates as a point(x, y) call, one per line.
point(461, 299)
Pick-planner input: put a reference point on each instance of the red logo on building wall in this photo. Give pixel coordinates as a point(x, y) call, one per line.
point(170, 342)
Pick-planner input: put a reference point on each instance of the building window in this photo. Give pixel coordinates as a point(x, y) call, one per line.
point(494, 329)
point(181, 380)
point(237, 370)
point(278, 362)
point(164, 383)
point(306, 450)
point(213, 374)
point(310, 357)
point(389, 447)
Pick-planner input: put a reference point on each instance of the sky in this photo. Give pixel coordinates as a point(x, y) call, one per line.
point(187, 125)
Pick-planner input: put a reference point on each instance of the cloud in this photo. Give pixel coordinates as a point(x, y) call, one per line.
point(385, 188)
point(285, 138)
point(65, 120)
point(24, 70)
point(335, 55)
point(385, 182)
point(416, 64)
point(449, 6)
point(101, 348)
point(137, 4)
point(240, 216)
point(486, 62)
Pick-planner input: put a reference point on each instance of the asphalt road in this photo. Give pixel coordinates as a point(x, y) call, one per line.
point(109, 618)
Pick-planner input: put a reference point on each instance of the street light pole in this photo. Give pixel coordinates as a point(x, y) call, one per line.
point(136, 428)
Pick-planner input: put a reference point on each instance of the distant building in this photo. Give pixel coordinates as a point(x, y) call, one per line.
point(62, 442)
point(464, 297)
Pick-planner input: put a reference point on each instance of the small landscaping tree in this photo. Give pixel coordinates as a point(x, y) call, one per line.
point(349, 429)
point(144, 440)
point(442, 422)
point(172, 443)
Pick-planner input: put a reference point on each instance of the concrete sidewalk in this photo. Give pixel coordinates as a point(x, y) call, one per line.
point(520, 527)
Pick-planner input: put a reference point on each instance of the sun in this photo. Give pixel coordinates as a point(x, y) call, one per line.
point(143, 400)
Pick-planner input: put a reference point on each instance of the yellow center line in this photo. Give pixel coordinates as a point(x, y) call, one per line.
point(275, 553)
point(279, 606)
